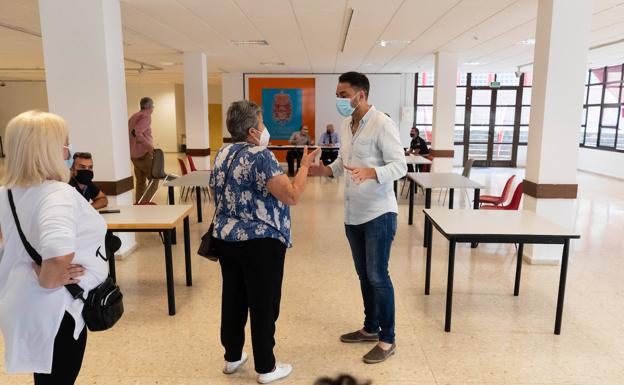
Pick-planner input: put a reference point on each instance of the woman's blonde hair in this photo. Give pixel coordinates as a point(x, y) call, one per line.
point(34, 149)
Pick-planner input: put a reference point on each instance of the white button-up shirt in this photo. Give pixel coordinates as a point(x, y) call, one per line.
point(376, 144)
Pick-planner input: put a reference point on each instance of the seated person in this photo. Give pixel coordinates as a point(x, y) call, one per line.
point(330, 139)
point(300, 138)
point(418, 146)
point(81, 180)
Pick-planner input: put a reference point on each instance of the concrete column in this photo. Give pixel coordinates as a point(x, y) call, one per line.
point(442, 143)
point(231, 90)
point(84, 66)
point(196, 108)
point(559, 72)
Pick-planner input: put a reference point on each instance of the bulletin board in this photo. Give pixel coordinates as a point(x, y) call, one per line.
point(287, 104)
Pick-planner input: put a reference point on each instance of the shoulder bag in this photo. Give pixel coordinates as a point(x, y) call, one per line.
point(103, 306)
point(207, 247)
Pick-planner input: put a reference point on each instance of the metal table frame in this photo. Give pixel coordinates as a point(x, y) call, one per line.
point(168, 235)
point(498, 238)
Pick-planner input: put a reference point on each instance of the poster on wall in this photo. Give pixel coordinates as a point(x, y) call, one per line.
point(283, 111)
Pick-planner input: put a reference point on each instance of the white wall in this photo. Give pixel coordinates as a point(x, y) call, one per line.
point(19, 97)
point(16, 98)
point(388, 93)
point(607, 163)
point(164, 116)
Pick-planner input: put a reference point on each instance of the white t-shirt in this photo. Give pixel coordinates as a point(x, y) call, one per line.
point(56, 221)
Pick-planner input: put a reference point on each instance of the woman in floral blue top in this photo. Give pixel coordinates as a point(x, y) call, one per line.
point(252, 228)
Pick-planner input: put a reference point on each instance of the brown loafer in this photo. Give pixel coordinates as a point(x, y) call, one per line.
point(358, 336)
point(377, 354)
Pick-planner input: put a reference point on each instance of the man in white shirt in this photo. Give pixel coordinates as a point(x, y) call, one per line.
point(372, 153)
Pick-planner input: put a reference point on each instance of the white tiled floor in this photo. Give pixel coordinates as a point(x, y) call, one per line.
point(496, 338)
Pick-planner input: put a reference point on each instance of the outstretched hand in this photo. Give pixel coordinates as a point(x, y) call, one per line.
point(308, 158)
point(360, 174)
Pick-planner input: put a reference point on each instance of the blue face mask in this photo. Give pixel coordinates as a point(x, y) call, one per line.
point(343, 105)
point(69, 162)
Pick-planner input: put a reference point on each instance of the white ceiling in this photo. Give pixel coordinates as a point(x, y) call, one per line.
point(306, 35)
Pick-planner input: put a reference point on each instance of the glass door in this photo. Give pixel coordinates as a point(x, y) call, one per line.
point(493, 119)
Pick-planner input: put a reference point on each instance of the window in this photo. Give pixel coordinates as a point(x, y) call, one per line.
point(484, 115)
point(603, 110)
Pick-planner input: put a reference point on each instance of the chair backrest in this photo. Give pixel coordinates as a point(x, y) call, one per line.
point(468, 167)
point(507, 188)
point(191, 163)
point(514, 204)
point(183, 169)
point(158, 165)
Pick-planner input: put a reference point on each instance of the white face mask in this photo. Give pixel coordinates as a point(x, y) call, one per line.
point(264, 137)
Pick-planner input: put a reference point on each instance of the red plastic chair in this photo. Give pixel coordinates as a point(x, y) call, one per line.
point(183, 169)
point(427, 167)
point(498, 200)
point(191, 163)
point(514, 204)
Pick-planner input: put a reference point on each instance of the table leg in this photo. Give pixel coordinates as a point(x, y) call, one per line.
point(199, 203)
point(562, 284)
point(518, 269)
point(111, 262)
point(427, 206)
point(449, 286)
point(428, 267)
point(475, 205)
point(171, 195)
point(187, 252)
point(169, 271)
point(410, 219)
point(451, 197)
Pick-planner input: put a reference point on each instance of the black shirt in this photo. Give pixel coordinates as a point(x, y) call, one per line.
point(90, 191)
point(419, 143)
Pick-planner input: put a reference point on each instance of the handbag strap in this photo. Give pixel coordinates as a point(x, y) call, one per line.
point(75, 290)
point(225, 180)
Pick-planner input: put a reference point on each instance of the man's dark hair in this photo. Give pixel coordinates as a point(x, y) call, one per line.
point(415, 128)
point(343, 379)
point(146, 103)
point(82, 155)
point(357, 80)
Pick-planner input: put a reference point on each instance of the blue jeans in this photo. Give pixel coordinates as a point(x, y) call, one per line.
point(370, 245)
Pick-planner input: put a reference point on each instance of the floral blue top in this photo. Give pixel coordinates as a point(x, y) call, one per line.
point(248, 210)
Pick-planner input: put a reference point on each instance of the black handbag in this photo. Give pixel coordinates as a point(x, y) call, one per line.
point(207, 247)
point(104, 304)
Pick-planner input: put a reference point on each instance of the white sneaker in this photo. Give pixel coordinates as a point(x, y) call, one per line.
point(281, 371)
point(231, 367)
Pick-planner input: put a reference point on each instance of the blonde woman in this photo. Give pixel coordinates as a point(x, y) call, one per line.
point(44, 332)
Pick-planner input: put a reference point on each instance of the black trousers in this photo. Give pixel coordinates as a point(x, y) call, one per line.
point(328, 156)
point(291, 156)
point(252, 282)
point(68, 354)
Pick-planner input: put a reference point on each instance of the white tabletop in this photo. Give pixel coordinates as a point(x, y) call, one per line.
point(192, 179)
point(146, 217)
point(417, 159)
point(442, 180)
point(496, 222)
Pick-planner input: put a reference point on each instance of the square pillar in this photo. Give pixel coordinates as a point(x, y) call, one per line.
point(196, 108)
point(560, 66)
point(445, 84)
point(86, 85)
